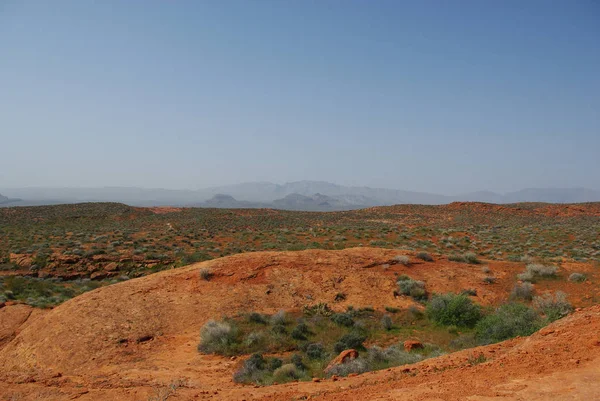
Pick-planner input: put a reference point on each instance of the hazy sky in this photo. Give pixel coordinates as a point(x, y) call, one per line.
point(438, 96)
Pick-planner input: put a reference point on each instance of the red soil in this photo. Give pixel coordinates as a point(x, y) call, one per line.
point(124, 341)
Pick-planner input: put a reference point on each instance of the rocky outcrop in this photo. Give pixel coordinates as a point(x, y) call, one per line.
point(344, 357)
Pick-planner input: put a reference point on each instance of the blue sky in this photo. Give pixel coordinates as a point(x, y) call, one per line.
point(435, 96)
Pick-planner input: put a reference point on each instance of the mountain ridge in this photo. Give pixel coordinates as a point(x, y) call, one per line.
point(298, 195)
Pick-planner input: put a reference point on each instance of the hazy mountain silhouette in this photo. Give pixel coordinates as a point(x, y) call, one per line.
point(300, 195)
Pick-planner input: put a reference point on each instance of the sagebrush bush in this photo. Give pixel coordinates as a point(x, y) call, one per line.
point(217, 338)
point(280, 318)
point(453, 309)
point(554, 306)
point(403, 260)
point(468, 257)
point(508, 321)
point(379, 358)
point(522, 291)
point(386, 322)
point(358, 365)
point(286, 372)
point(425, 256)
point(413, 288)
point(542, 270)
point(577, 277)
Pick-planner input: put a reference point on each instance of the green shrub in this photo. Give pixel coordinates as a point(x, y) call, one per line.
point(452, 309)
point(508, 321)
point(300, 332)
point(352, 340)
point(255, 317)
point(343, 319)
point(315, 351)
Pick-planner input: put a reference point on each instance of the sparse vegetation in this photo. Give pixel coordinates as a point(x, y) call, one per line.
point(522, 291)
point(536, 271)
point(468, 257)
point(206, 274)
point(552, 306)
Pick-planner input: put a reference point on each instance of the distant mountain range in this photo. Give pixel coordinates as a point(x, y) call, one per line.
point(300, 195)
point(4, 200)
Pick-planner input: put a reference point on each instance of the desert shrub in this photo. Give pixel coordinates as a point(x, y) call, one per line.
point(508, 321)
point(358, 365)
point(351, 340)
point(554, 306)
point(425, 256)
point(286, 372)
point(522, 291)
point(386, 322)
point(320, 309)
point(413, 288)
point(452, 309)
point(300, 332)
point(296, 359)
point(340, 296)
point(415, 311)
point(279, 318)
point(315, 351)
point(403, 260)
point(206, 274)
point(577, 277)
point(392, 309)
point(380, 358)
point(472, 292)
point(253, 370)
point(255, 317)
point(253, 339)
point(275, 363)
point(486, 270)
point(278, 329)
point(526, 276)
point(468, 257)
point(343, 319)
point(536, 270)
point(195, 257)
point(489, 280)
point(217, 338)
